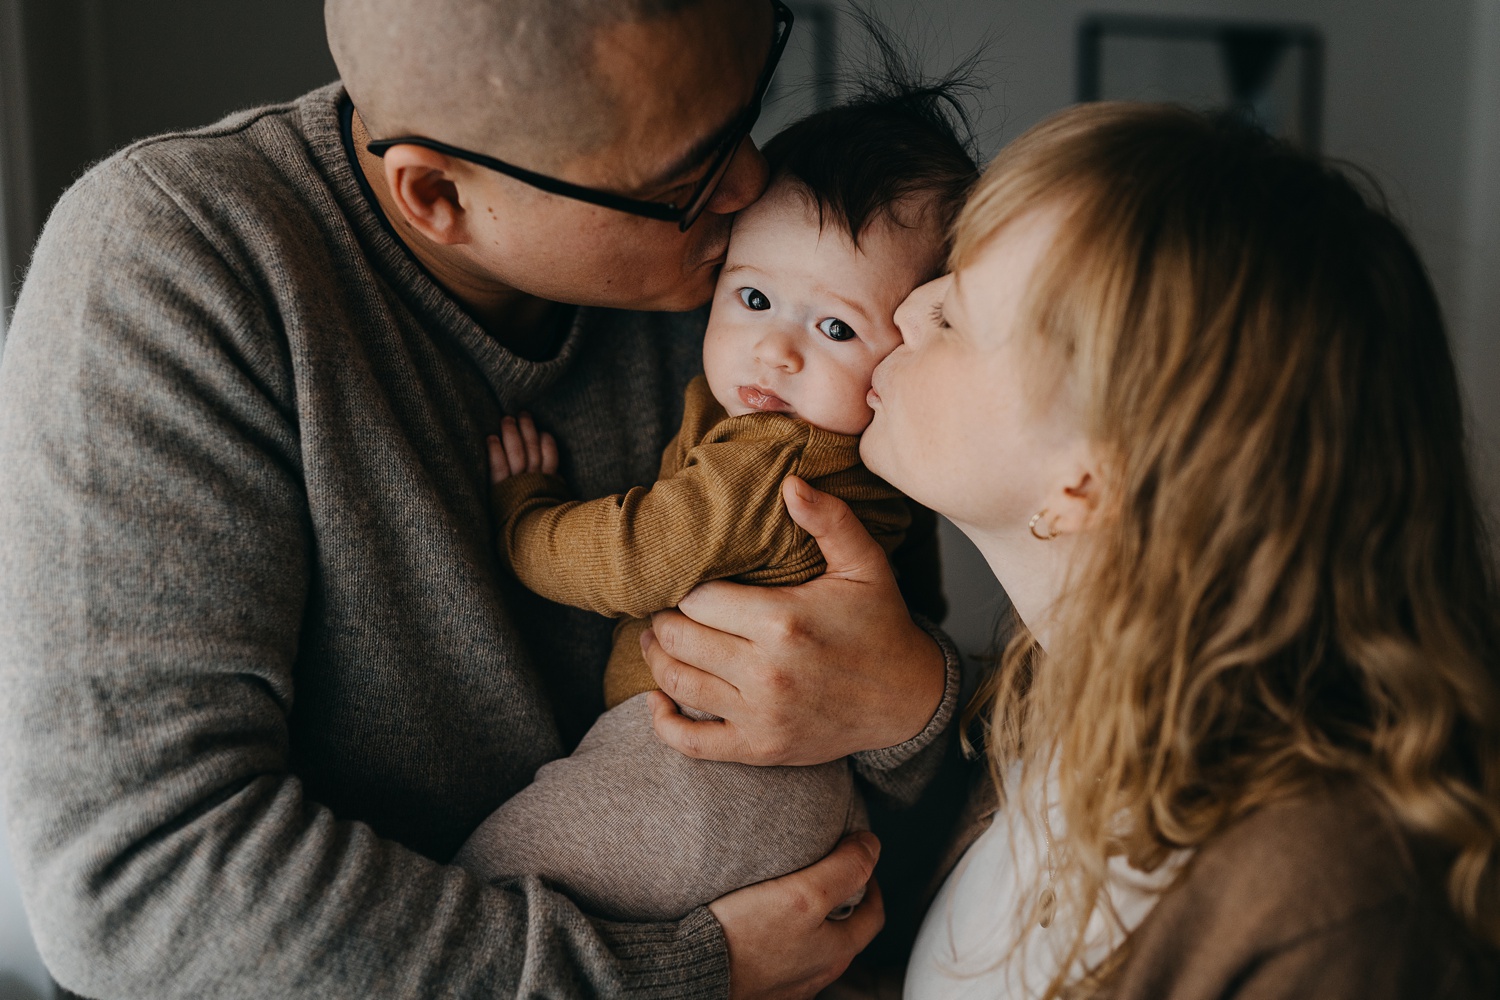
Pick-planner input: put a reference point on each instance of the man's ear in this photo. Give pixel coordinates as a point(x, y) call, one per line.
point(421, 181)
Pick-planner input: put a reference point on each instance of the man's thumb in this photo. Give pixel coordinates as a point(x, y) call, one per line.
point(847, 868)
point(847, 547)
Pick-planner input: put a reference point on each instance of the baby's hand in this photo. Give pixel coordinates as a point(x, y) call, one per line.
point(521, 448)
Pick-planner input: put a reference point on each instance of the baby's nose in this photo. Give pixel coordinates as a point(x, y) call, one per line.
point(778, 349)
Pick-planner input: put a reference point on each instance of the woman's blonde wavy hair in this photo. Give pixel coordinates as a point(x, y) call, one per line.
point(1292, 586)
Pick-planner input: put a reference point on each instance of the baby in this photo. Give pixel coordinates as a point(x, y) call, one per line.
point(855, 217)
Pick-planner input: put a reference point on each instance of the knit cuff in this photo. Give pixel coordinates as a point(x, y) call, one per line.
point(890, 758)
point(512, 491)
point(686, 959)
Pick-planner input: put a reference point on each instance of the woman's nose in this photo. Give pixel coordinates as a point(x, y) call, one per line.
point(914, 315)
point(778, 349)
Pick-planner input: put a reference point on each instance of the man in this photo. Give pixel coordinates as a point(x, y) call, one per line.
point(260, 670)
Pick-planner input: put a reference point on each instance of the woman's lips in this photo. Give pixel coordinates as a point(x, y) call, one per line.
point(757, 398)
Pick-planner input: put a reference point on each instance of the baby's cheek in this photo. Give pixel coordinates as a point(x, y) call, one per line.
point(855, 406)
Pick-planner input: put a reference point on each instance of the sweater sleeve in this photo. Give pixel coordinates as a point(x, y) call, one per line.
point(641, 551)
point(903, 772)
point(153, 580)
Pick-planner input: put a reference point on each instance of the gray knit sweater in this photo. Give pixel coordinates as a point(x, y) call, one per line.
point(260, 671)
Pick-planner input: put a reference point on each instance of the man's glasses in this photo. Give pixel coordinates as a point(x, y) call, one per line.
point(684, 214)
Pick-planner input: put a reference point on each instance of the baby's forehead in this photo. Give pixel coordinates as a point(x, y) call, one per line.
point(788, 228)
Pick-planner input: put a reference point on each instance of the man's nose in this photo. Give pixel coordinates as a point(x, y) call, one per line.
point(745, 179)
point(779, 349)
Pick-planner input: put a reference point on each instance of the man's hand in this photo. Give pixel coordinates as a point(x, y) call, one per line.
point(797, 675)
point(781, 942)
point(521, 448)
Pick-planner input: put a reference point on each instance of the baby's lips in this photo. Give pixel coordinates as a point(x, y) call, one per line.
point(757, 398)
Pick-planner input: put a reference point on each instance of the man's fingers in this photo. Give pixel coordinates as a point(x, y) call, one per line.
point(686, 684)
point(735, 609)
point(690, 641)
point(689, 737)
point(824, 886)
point(499, 467)
point(847, 547)
point(844, 871)
point(781, 942)
point(861, 926)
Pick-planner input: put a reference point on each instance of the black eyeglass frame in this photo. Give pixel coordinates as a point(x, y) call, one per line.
point(684, 216)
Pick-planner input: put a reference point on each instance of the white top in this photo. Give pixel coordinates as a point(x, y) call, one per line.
point(962, 947)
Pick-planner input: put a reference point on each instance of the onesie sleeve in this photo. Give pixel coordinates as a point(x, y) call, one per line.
point(641, 551)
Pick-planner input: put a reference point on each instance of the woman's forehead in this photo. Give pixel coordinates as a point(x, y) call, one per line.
point(1002, 270)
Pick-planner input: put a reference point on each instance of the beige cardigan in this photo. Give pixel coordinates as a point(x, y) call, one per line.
point(1318, 896)
point(1313, 897)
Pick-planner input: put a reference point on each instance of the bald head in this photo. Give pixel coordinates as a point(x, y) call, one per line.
point(508, 77)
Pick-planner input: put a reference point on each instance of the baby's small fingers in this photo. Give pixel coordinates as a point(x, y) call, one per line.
point(529, 438)
point(515, 448)
point(499, 467)
point(549, 454)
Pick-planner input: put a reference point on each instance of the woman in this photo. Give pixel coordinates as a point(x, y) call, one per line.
point(1191, 396)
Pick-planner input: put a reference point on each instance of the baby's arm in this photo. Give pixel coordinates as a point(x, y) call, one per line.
point(639, 551)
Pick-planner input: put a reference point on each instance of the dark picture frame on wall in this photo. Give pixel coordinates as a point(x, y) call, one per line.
point(1271, 73)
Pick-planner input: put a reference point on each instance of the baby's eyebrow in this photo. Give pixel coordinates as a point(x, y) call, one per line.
point(853, 306)
point(735, 268)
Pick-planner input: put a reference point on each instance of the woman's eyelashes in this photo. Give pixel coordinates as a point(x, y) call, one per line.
point(836, 329)
point(754, 299)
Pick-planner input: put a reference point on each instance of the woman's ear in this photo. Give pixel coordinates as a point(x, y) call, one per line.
point(421, 181)
point(1077, 503)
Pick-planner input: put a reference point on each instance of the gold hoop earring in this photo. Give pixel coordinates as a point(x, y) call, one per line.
point(1051, 526)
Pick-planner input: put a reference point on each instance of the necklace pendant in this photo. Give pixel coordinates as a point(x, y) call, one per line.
point(1047, 908)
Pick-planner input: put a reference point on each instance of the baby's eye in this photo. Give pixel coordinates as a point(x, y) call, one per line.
point(755, 299)
point(836, 329)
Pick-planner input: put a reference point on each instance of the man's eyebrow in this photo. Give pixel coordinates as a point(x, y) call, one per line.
point(694, 157)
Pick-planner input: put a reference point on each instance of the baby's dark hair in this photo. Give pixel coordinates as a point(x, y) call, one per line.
point(900, 136)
